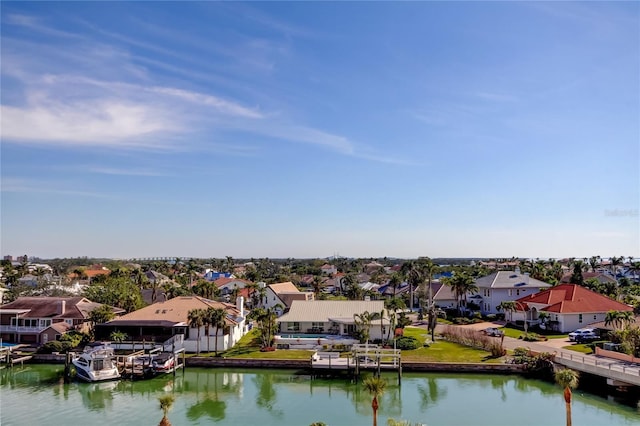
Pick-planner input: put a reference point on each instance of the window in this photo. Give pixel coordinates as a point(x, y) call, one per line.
point(518, 292)
point(594, 317)
point(317, 325)
point(45, 322)
point(293, 326)
point(487, 292)
point(69, 321)
point(580, 318)
point(510, 292)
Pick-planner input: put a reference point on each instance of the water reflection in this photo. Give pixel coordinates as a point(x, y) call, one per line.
point(97, 396)
point(431, 393)
point(274, 397)
point(267, 396)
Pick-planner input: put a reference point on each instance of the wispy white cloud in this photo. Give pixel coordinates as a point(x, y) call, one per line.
point(122, 172)
point(109, 122)
point(77, 105)
point(19, 185)
point(35, 24)
point(496, 97)
point(221, 105)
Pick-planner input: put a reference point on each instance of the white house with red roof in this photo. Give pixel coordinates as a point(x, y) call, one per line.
point(328, 269)
point(570, 306)
point(227, 285)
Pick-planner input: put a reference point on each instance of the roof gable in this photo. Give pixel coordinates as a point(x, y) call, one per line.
point(286, 287)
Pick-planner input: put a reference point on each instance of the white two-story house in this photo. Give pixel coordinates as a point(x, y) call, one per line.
point(504, 286)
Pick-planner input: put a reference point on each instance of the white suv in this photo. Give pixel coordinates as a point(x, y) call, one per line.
point(583, 335)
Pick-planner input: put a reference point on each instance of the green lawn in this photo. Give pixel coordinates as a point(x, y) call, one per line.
point(249, 347)
point(440, 351)
point(516, 332)
point(585, 349)
point(443, 351)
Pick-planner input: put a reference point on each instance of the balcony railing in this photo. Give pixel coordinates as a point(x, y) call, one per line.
point(20, 329)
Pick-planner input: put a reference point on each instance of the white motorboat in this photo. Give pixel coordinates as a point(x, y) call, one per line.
point(96, 363)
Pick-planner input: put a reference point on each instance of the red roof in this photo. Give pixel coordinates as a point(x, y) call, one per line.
point(574, 299)
point(224, 281)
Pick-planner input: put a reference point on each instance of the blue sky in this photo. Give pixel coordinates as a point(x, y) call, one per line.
point(309, 129)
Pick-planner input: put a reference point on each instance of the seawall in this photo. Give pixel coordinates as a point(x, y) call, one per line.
point(302, 364)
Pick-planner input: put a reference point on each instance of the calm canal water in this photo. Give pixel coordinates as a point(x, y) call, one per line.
point(35, 395)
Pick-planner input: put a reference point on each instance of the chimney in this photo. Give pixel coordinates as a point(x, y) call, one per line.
point(526, 278)
point(240, 305)
point(62, 306)
point(517, 270)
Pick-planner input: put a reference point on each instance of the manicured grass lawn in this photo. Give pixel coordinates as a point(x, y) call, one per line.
point(516, 332)
point(578, 348)
point(249, 347)
point(440, 351)
point(443, 351)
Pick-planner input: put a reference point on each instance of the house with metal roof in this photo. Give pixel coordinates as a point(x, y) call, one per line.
point(163, 320)
point(333, 317)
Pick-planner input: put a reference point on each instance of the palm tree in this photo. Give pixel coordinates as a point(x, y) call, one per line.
point(118, 336)
point(375, 386)
point(615, 262)
point(567, 379)
point(363, 325)
point(218, 320)
point(626, 318)
point(613, 318)
point(412, 271)
point(195, 320)
point(165, 405)
point(394, 282)
point(317, 286)
point(508, 306)
point(462, 284)
point(206, 322)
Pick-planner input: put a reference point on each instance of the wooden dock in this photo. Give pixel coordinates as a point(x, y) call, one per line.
point(361, 358)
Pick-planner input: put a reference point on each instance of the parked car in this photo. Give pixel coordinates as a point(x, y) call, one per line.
point(583, 335)
point(492, 331)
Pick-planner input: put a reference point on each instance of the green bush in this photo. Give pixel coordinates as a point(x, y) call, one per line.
point(55, 346)
point(75, 338)
point(491, 317)
point(406, 343)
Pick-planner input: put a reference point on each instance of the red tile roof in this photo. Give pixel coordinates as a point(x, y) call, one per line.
point(574, 299)
point(224, 281)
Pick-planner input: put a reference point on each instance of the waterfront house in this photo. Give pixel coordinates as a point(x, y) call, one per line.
point(332, 317)
point(284, 294)
point(328, 269)
point(570, 306)
point(26, 319)
point(504, 286)
point(163, 320)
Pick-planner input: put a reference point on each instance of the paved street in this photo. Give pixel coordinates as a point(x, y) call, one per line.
point(605, 366)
